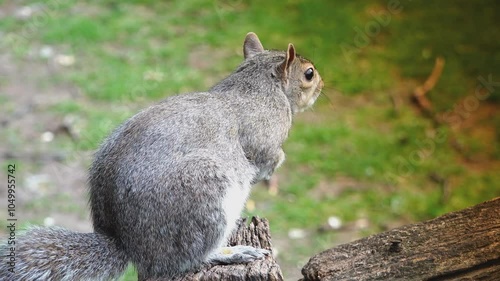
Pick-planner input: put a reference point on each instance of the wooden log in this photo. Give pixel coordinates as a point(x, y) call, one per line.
point(463, 245)
point(254, 234)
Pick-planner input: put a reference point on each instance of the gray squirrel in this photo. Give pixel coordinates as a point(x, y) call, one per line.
point(168, 185)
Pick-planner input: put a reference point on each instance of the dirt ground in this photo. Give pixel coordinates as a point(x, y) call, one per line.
point(29, 130)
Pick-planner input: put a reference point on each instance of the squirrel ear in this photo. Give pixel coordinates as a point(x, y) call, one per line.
point(290, 56)
point(252, 45)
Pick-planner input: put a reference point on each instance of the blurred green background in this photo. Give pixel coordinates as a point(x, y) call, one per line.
point(364, 160)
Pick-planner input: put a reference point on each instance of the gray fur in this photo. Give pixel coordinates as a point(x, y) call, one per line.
point(167, 186)
point(52, 254)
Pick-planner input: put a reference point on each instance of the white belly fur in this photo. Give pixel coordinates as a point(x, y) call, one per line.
point(233, 203)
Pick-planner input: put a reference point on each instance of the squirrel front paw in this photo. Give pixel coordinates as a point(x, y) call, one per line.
point(278, 160)
point(237, 254)
point(281, 158)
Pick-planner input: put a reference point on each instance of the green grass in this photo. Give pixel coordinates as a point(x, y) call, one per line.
point(137, 52)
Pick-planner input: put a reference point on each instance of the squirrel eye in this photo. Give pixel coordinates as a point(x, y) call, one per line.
point(309, 74)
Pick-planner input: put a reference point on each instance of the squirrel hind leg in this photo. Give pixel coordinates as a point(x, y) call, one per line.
point(183, 221)
point(237, 254)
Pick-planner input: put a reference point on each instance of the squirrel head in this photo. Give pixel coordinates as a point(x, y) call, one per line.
point(299, 79)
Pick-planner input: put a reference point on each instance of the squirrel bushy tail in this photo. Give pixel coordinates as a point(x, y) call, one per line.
point(59, 254)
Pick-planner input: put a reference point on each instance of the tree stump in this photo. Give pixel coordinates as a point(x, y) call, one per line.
point(254, 234)
point(463, 245)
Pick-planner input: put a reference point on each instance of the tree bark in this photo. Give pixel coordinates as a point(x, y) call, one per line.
point(254, 234)
point(463, 245)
